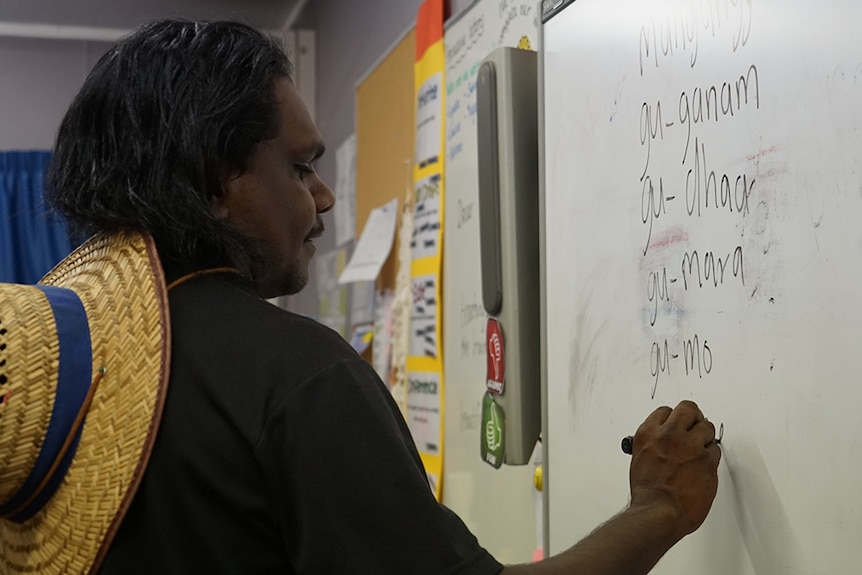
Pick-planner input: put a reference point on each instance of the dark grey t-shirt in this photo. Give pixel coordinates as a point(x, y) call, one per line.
point(280, 451)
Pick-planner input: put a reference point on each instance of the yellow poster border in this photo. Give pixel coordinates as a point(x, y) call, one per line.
point(431, 63)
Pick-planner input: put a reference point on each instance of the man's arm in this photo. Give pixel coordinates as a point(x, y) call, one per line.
point(673, 479)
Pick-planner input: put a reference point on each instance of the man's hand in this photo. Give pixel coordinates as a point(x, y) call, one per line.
point(674, 478)
point(674, 464)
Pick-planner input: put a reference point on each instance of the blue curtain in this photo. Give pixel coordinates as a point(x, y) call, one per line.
point(32, 241)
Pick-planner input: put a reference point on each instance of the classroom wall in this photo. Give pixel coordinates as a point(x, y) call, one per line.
point(351, 37)
point(38, 79)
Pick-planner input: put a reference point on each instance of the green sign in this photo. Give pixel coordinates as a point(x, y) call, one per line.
point(493, 432)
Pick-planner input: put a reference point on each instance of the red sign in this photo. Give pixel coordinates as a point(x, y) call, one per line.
point(495, 380)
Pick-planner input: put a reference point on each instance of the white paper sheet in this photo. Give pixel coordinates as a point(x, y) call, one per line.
point(332, 297)
point(429, 112)
point(345, 191)
point(382, 352)
point(362, 303)
point(373, 246)
point(362, 337)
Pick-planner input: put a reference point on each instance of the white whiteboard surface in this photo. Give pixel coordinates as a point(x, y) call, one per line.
point(499, 506)
point(776, 309)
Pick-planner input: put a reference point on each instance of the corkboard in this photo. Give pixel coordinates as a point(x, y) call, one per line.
point(385, 135)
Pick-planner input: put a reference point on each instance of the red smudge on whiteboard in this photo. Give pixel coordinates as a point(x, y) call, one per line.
point(668, 238)
point(762, 153)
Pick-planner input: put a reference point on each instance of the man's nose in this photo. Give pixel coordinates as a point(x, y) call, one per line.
point(324, 198)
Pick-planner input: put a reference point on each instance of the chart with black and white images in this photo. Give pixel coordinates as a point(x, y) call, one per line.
point(426, 233)
point(423, 317)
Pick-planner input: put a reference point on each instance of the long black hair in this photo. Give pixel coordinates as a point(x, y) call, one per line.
point(163, 118)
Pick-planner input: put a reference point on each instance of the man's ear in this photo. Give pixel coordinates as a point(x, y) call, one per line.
point(220, 204)
point(219, 207)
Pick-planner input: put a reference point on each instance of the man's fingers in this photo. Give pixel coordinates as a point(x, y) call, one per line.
point(704, 432)
point(685, 415)
point(657, 417)
point(685, 422)
point(715, 452)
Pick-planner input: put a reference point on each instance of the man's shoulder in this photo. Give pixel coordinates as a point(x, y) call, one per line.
point(230, 308)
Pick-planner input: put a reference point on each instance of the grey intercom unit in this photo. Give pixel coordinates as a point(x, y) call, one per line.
point(507, 124)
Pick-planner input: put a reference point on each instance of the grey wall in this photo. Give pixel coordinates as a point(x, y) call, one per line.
point(126, 14)
point(38, 79)
point(351, 37)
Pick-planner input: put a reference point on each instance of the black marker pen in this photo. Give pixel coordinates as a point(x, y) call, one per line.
point(629, 441)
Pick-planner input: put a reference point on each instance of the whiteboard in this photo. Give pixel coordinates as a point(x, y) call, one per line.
point(499, 506)
point(703, 197)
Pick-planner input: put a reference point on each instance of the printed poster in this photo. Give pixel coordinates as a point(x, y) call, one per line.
point(423, 317)
point(331, 297)
point(429, 121)
point(426, 233)
point(426, 389)
point(424, 409)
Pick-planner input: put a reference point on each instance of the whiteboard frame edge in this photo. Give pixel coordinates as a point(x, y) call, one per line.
point(543, 298)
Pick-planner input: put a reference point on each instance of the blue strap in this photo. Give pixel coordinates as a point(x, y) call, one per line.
point(74, 379)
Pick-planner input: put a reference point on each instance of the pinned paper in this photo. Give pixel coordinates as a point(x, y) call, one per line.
point(362, 303)
point(423, 316)
point(345, 191)
point(332, 298)
point(427, 231)
point(373, 246)
point(429, 121)
point(382, 352)
point(362, 337)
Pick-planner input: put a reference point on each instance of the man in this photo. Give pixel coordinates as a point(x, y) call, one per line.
point(278, 449)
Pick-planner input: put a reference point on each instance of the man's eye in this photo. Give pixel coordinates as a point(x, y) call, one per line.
point(304, 169)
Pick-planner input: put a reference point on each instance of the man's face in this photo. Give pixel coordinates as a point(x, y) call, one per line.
point(278, 200)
